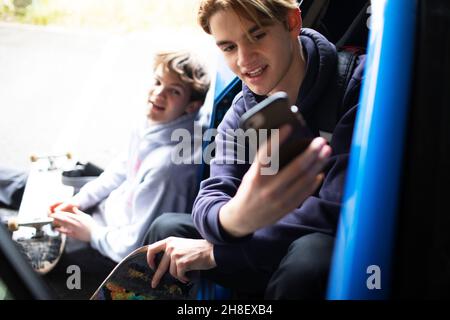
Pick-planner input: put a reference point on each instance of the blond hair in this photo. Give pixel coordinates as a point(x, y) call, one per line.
point(262, 12)
point(188, 68)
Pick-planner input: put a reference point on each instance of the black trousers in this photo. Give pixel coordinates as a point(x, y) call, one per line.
point(12, 186)
point(301, 274)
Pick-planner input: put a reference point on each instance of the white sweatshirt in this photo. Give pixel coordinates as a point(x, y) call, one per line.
point(133, 191)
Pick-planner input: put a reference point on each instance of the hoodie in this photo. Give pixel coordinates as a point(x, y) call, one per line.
point(263, 250)
point(135, 189)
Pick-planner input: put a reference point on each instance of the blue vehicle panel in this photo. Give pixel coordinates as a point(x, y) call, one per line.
point(364, 245)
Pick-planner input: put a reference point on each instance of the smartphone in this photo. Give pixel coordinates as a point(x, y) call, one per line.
point(274, 112)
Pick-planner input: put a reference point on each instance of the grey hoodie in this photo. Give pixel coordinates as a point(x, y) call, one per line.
point(134, 190)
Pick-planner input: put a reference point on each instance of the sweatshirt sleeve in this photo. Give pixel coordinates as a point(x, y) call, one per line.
point(99, 189)
point(170, 188)
point(265, 247)
point(225, 178)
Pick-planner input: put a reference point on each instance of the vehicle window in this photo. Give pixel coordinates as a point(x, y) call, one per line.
point(75, 73)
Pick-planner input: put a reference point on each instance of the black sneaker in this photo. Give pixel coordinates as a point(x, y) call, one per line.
point(80, 175)
point(83, 170)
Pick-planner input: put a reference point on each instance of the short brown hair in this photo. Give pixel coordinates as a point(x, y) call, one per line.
point(262, 12)
point(188, 69)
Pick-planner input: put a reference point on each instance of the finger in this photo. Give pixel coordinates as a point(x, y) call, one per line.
point(173, 268)
point(77, 211)
point(301, 165)
point(306, 159)
point(65, 219)
point(306, 185)
point(324, 155)
point(302, 189)
point(58, 219)
point(55, 223)
point(61, 229)
point(65, 231)
point(181, 270)
point(52, 208)
point(162, 269)
point(317, 182)
point(153, 250)
point(63, 207)
point(318, 165)
point(75, 219)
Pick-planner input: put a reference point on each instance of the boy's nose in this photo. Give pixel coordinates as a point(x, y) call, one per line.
point(159, 93)
point(245, 57)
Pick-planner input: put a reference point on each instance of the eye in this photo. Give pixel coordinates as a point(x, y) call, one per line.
point(228, 48)
point(157, 82)
point(175, 92)
point(259, 36)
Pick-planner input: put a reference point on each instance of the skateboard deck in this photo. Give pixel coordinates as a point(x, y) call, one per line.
point(131, 280)
point(32, 229)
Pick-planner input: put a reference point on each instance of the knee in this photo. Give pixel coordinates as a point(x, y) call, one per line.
point(303, 272)
point(162, 227)
point(171, 225)
point(312, 252)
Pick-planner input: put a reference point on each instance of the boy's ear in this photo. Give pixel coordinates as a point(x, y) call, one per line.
point(294, 21)
point(193, 106)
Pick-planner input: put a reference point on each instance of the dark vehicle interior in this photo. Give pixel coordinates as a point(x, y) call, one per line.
point(422, 258)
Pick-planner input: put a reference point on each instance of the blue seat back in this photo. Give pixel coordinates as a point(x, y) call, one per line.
point(226, 86)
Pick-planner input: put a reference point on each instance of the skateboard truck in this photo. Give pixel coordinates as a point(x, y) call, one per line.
point(14, 224)
point(51, 160)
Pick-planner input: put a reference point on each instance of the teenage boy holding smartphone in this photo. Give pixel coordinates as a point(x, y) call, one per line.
point(265, 235)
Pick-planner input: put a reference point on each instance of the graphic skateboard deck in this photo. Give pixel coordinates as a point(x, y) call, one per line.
point(131, 280)
point(33, 229)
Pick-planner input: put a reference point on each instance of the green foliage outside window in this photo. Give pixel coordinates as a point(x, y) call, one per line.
point(120, 15)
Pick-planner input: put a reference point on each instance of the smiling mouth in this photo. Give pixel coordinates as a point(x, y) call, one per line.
point(256, 72)
point(156, 107)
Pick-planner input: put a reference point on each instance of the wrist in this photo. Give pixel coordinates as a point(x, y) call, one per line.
point(89, 233)
point(230, 221)
point(212, 260)
point(75, 201)
point(96, 234)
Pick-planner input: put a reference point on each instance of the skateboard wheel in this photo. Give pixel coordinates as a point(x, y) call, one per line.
point(13, 224)
point(69, 155)
point(34, 158)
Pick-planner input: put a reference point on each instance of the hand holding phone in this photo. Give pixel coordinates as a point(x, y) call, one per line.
point(273, 113)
